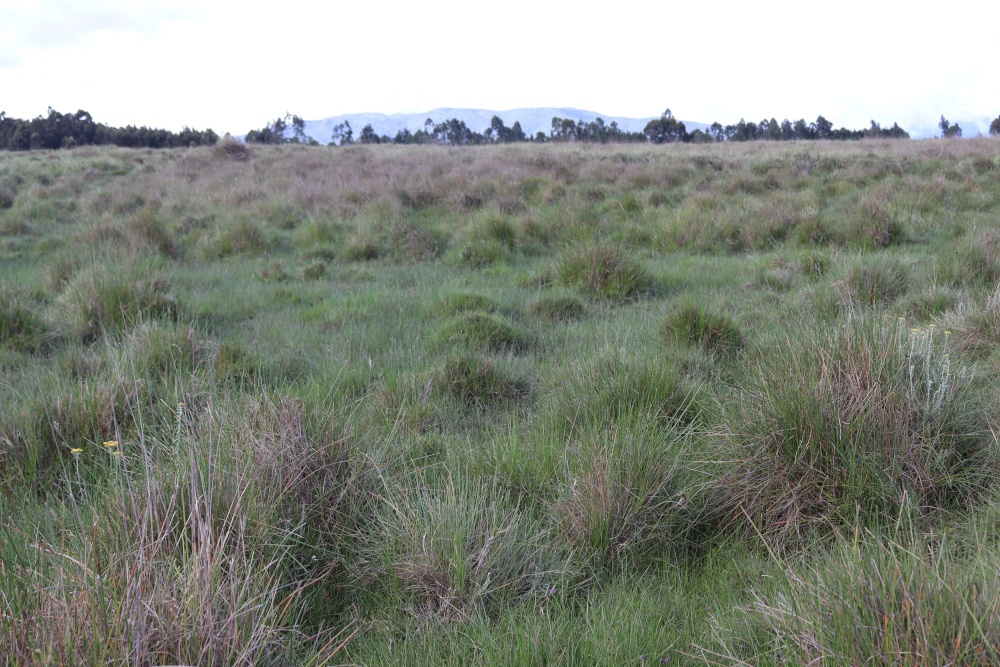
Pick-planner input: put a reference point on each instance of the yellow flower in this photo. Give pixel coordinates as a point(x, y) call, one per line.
point(75, 450)
point(117, 453)
point(111, 443)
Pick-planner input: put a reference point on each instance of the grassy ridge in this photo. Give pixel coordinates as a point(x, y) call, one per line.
point(504, 405)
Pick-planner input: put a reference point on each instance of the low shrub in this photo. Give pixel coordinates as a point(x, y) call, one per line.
point(849, 423)
point(485, 331)
point(474, 381)
point(715, 333)
point(606, 272)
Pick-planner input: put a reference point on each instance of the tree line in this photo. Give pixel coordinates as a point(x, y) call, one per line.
point(59, 130)
point(665, 129)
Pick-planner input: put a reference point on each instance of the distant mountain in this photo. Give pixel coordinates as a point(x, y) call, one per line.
point(533, 120)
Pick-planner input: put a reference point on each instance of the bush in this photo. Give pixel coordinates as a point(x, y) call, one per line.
point(482, 330)
point(876, 282)
point(474, 381)
point(849, 423)
point(715, 333)
point(21, 327)
point(559, 308)
point(605, 272)
point(111, 298)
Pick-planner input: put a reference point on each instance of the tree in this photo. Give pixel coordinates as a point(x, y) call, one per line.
point(343, 135)
point(949, 131)
point(665, 129)
point(995, 127)
point(368, 135)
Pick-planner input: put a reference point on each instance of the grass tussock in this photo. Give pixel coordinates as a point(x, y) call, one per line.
point(110, 299)
point(612, 389)
point(478, 382)
point(857, 422)
point(874, 281)
point(628, 499)
point(484, 331)
point(715, 333)
point(559, 308)
point(605, 272)
point(890, 600)
point(452, 549)
point(22, 328)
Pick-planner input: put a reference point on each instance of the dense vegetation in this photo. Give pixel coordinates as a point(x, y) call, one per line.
point(520, 404)
point(63, 130)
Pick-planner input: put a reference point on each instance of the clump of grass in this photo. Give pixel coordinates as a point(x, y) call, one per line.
point(848, 424)
point(274, 271)
point(241, 237)
point(408, 242)
point(461, 302)
point(972, 261)
point(606, 272)
point(7, 195)
point(890, 600)
point(22, 327)
point(485, 331)
point(456, 548)
point(362, 245)
point(314, 271)
point(559, 308)
point(475, 381)
point(111, 298)
point(977, 328)
point(874, 225)
point(480, 252)
point(877, 281)
point(715, 333)
point(930, 302)
point(627, 500)
point(175, 563)
point(614, 389)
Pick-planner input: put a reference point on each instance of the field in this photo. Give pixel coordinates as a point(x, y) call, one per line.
point(503, 405)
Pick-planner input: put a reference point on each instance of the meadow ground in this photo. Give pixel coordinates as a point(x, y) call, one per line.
point(511, 405)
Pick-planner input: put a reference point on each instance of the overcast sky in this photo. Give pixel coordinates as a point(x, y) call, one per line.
point(234, 65)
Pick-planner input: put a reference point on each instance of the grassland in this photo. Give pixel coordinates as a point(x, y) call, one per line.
point(513, 405)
